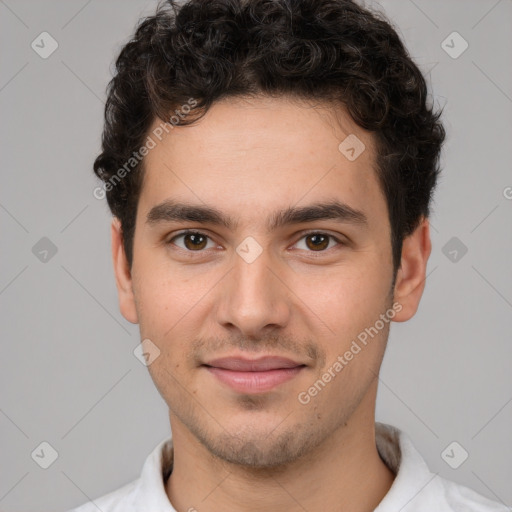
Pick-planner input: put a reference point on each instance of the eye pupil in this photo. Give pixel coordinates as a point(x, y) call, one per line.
point(318, 241)
point(197, 240)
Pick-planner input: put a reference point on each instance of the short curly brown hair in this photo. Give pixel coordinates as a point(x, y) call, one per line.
point(331, 50)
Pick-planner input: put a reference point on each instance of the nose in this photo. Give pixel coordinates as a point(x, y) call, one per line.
point(253, 298)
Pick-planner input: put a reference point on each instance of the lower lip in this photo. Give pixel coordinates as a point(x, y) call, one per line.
point(254, 382)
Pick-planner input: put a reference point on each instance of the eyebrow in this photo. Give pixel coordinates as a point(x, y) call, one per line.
point(169, 211)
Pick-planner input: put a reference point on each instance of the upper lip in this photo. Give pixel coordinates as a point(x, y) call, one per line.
point(253, 365)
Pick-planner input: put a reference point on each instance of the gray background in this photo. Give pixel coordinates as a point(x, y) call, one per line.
point(68, 374)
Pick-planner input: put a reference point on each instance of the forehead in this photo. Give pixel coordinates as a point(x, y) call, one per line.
point(262, 152)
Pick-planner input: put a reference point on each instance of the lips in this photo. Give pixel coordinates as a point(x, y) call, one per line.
point(253, 365)
point(253, 375)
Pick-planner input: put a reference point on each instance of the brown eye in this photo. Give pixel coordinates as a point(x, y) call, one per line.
point(317, 242)
point(192, 241)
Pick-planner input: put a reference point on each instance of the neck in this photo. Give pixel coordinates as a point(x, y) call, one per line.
point(344, 473)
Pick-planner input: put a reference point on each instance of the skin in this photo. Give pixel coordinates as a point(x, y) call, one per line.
point(268, 452)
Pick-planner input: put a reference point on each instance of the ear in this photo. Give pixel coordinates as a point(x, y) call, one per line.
point(123, 274)
point(410, 279)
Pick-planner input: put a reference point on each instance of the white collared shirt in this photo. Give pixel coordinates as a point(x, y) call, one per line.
point(415, 488)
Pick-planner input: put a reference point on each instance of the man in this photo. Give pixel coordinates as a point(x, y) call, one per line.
point(269, 166)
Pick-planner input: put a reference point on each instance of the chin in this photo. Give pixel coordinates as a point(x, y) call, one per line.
point(264, 447)
point(257, 451)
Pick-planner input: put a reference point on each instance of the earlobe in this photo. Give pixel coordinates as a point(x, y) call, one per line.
point(123, 275)
point(410, 280)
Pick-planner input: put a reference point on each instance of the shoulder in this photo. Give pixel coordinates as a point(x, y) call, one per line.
point(145, 493)
point(463, 499)
point(416, 488)
point(120, 500)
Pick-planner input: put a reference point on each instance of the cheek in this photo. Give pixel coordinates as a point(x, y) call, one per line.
point(346, 299)
point(162, 302)
point(162, 287)
point(172, 306)
point(166, 317)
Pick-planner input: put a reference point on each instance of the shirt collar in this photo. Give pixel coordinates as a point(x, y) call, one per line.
point(150, 491)
point(415, 487)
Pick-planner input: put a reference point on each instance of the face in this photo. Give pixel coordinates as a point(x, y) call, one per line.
point(258, 309)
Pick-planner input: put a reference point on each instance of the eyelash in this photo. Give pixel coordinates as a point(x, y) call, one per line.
point(304, 235)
